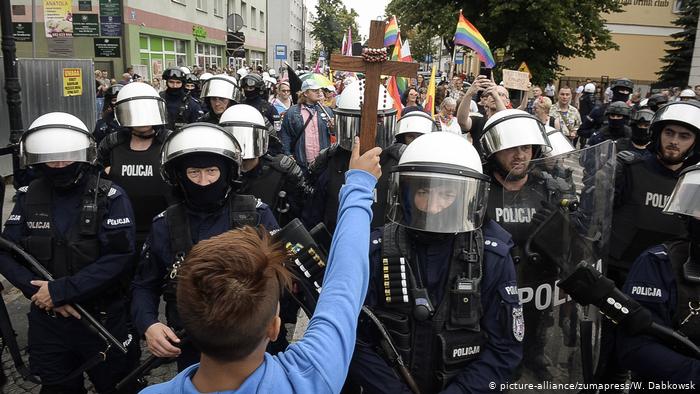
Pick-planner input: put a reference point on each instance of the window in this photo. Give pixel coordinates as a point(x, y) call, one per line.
point(209, 56)
point(218, 7)
point(244, 13)
point(202, 5)
point(159, 53)
point(262, 21)
point(253, 16)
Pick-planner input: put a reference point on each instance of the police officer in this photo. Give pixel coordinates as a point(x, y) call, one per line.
point(327, 172)
point(131, 157)
point(621, 89)
point(442, 284)
point(618, 114)
point(107, 124)
point(192, 86)
point(642, 187)
point(182, 108)
point(219, 93)
point(81, 229)
point(202, 163)
point(656, 101)
point(664, 279)
point(638, 141)
point(253, 88)
point(277, 180)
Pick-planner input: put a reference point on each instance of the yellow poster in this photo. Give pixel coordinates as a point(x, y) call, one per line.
point(58, 18)
point(72, 82)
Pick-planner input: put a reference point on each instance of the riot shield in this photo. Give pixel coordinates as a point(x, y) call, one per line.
point(570, 223)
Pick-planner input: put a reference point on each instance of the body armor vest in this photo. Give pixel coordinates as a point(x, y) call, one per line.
point(639, 223)
point(242, 212)
point(138, 173)
point(337, 167)
point(688, 294)
point(64, 254)
point(268, 184)
point(436, 345)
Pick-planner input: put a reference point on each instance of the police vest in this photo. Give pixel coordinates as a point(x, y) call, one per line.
point(639, 223)
point(138, 173)
point(688, 293)
point(337, 166)
point(268, 185)
point(64, 254)
point(177, 117)
point(438, 348)
point(242, 212)
point(388, 160)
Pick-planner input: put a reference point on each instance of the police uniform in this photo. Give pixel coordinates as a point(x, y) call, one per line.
point(209, 117)
point(182, 109)
point(606, 133)
point(105, 127)
point(87, 263)
point(464, 346)
point(278, 182)
point(173, 233)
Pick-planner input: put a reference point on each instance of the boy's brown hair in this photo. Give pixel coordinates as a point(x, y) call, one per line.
point(228, 290)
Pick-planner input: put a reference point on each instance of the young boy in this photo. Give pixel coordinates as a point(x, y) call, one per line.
point(228, 298)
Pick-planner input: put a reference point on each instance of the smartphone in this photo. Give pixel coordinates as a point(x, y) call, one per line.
point(485, 71)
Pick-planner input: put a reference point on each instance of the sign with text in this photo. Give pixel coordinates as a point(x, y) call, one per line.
point(60, 47)
point(516, 80)
point(84, 5)
point(58, 19)
point(111, 26)
point(22, 31)
point(110, 8)
point(280, 52)
point(107, 47)
point(72, 82)
point(85, 25)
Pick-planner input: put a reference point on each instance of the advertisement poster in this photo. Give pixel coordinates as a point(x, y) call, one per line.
point(72, 82)
point(58, 19)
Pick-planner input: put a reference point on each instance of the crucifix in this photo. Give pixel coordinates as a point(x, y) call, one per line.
point(373, 64)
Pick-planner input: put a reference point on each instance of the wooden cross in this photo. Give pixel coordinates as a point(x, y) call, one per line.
point(373, 73)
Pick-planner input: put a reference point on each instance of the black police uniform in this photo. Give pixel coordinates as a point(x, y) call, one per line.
point(273, 121)
point(608, 133)
point(278, 182)
point(210, 117)
point(182, 108)
point(105, 126)
point(88, 261)
point(173, 233)
point(327, 176)
point(472, 338)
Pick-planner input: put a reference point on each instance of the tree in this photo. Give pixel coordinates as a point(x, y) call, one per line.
point(332, 22)
point(680, 54)
point(539, 32)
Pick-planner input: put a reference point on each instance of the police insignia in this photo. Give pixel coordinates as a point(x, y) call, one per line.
point(518, 323)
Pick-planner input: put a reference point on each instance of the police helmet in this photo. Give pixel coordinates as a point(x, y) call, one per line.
point(589, 88)
point(112, 92)
point(174, 73)
point(191, 78)
point(415, 122)
point(242, 72)
point(247, 126)
point(252, 80)
point(198, 138)
point(687, 93)
point(510, 128)
point(185, 70)
point(618, 108)
point(57, 136)
point(684, 113)
point(205, 76)
point(139, 104)
point(348, 111)
point(685, 198)
point(623, 84)
point(643, 116)
point(221, 86)
point(559, 142)
point(438, 186)
point(656, 101)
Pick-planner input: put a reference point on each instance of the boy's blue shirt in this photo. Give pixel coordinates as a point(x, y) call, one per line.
point(319, 362)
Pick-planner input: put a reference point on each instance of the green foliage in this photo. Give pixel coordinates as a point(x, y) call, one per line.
point(680, 54)
point(539, 32)
point(332, 22)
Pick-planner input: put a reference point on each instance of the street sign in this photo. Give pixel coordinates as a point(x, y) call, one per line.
point(280, 52)
point(322, 56)
point(234, 22)
point(459, 59)
point(524, 69)
point(428, 58)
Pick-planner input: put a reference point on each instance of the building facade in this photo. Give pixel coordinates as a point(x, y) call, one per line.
point(254, 14)
point(287, 30)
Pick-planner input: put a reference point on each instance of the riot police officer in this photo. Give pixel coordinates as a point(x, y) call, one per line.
point(131, 157)
point(442, 284)
point(638, 141)
point(327, 171)
point(621, 89)
point(253, 88)
point(81, 229)
point(192, 87)
point(618, 114)
point(277, 180)
point(202, 163)
point(664, 279)
point(219, 93)
point(182, 108)
point(656, 101)
point(107, 124)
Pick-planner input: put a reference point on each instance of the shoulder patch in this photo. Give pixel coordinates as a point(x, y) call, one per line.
point(118, 222)
point(23, 189)
point(113, 192)
point(14, 219)
point(496, 246)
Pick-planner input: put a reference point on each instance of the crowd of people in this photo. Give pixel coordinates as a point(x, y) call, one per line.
point(449, 236)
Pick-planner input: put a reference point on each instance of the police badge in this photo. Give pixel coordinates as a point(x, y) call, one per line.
point(518, 323)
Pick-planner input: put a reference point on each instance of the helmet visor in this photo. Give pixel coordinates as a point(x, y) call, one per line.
point(560, 144)
point(141, 111)
point(437, 203)
point(517, 131)
point(220, 87)
point(56, 144)
point(252, 138)
point(685, 199)
point(680, 112)
point(348, 126)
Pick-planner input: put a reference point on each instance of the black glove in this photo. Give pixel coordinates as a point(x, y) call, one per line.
point(543, 213)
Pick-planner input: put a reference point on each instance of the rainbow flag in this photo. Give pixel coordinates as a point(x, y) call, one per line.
point(391, 32)
point(429, 104)
point(401, 82)
point(467, 35)
point(394, 93)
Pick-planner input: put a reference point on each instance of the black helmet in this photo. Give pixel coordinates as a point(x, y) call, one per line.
point(252, 80)
point(643, 116)
point(656, 101)
point(618, 108)
point(684, 113)
point(174, 73)
point(112, 92)
point(191, 78)
point(622, 83)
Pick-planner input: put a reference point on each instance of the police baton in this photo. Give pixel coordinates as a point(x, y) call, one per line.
point(86, 317)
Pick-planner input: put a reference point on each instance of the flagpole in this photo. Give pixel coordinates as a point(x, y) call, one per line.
point(454, 54)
